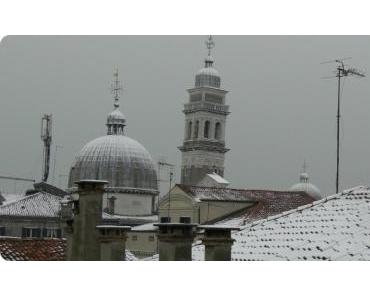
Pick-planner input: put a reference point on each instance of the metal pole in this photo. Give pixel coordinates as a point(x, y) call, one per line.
point(169, 194)
point(338, 127)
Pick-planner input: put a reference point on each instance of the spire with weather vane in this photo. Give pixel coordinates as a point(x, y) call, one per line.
point(116, 121)
point(210, 44)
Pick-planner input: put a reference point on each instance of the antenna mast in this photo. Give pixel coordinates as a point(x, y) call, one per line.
point(46, 138)
point(341, 71)
point(163, 163)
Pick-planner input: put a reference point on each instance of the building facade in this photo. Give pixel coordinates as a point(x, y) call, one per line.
point(203, 149)
point(33, 216)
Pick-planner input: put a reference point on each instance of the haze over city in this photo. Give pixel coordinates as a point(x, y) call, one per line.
point(282, 112)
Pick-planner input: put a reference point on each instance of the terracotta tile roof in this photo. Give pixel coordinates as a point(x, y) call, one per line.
point(22, 249)
point(334, 228)
point(40, 204)
point(268, 202)
point(27, 249)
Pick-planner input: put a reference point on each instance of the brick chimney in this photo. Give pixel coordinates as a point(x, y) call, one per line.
point(175, 240)
point(87, 210)
point(218, 242)
point(112, 242)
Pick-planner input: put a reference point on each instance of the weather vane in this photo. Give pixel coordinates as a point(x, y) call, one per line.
point(210, 44)
point(116, 88)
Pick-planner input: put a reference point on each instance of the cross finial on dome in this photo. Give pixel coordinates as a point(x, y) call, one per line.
point(116, 88)
point(304, 167)
point(303, 177)
point(210, 44)
point(116, 121)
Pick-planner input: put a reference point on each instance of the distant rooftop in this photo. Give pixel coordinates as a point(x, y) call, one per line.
point(40, 204)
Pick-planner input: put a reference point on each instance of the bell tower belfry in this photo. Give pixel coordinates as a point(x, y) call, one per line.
point(203, 149)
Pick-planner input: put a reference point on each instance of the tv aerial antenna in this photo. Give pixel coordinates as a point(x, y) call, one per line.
point(162, 163)
point(341, 71)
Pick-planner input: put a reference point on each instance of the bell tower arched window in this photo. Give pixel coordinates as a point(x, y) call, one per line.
point(206, 129)
point(189, 130)
point(196, 129)
point(218, 131)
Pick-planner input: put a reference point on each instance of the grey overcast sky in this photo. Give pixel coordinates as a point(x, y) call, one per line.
point(282, 112)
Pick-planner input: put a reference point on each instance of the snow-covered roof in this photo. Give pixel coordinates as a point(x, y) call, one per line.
point(213, 180)
point(40, 204)
point(9, 198)
point(145, 227)
point(218, 178)
point(334, 228)
point(229, 194)
point(130, 220)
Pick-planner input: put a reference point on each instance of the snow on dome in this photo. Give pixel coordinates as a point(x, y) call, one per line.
point(305, 186)
point(118, 159)
point(116, 114)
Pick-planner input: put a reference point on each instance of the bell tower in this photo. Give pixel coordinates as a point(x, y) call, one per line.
point(203, 149)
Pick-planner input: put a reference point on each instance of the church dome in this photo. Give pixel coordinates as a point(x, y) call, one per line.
point(118, 159)
point(305, 186)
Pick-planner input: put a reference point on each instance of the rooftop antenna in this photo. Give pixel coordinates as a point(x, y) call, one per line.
point(341, 71)
point(163, 163)
point(46, 138)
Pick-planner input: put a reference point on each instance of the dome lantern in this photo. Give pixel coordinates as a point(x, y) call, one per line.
point(116, 121)
point(208, 76)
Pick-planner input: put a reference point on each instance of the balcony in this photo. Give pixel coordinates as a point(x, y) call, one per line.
point(205, 106)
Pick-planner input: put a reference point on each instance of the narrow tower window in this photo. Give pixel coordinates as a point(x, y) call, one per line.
point(206, 129)
point(189, 129)
point(196, 129)
point(218, 131)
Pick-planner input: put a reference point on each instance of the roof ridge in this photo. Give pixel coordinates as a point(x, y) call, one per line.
point(242, 190)
point(291, 211)
point(21, 199)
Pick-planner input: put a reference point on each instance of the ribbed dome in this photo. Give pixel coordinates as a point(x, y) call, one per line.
point(118, 159)
point(305, 186)
point(208, 76)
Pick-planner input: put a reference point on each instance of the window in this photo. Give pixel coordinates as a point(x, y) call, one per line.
point(134, 237)
point(189, 129)
point(52, 233)
point(30, 232)
point(206, 129)
point(218, 131)
point(151, 238)
point(2, 231)
point(196, 129)
point(111, 204)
